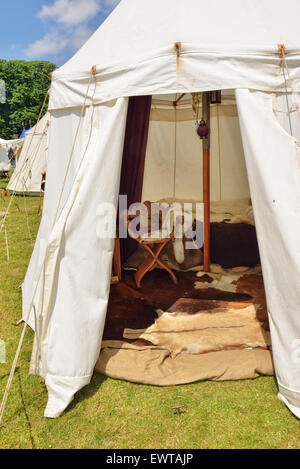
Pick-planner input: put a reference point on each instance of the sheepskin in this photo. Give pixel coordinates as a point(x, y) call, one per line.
point(204, 332)
point(233, 211)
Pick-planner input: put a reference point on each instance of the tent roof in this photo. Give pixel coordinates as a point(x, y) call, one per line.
point(40, 127)
point(10, 143)
point(137, 28)
point(223, 45)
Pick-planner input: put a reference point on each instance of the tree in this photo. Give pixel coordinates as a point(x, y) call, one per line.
point(26, 84)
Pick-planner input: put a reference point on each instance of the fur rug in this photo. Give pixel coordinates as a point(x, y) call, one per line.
point(205, 331)
point(231, 211)
point(224, 279)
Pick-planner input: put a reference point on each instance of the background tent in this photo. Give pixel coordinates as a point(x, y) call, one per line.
point(4, 160)
point(5, 145)
point(149, 47)
point(27, 176)
point(18, 143)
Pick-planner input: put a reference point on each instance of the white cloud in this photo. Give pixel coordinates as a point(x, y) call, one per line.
point(51, 44)
point(69, 20)
point(70, 12)
point(54, 42)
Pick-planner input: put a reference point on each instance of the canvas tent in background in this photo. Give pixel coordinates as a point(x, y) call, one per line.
point(27, 176)
point(149, 47)
point(4, 160)
point(5, 146)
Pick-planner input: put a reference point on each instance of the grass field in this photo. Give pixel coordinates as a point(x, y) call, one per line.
point(112, 414)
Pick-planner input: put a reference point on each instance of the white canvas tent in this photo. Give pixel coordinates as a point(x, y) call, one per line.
point(229, 45)
point(17, 143)
point(4, 161)
point(27, 176)
point(5, 145)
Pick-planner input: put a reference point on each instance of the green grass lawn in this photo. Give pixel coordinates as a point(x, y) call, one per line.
point(115, 414)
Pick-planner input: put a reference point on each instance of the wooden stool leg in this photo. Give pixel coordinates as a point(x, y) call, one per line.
point(150, 262)
point(143, 268)
point(162, 264)
point(174, 278)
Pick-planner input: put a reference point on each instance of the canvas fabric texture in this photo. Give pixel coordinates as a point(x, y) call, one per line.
point(155, 366)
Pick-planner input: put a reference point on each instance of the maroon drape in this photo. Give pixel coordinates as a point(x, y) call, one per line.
point(134, 154)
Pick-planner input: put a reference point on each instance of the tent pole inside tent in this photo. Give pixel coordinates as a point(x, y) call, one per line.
point(178, 99)
point(206, 97)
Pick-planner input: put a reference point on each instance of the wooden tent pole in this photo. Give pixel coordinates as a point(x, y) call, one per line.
point(206, 98)
point(178, 99)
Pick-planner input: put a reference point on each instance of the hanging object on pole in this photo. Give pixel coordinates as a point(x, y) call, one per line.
point(203, 129)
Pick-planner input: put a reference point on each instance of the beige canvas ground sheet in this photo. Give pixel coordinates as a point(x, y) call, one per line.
point(155, 366)
point(182, 348)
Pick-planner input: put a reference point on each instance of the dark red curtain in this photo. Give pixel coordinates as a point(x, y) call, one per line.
point(134, 154)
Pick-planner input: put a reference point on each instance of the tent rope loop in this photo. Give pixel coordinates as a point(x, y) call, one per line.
point(288, 80)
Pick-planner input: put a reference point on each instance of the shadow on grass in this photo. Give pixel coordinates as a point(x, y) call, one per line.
point(88, 391)
point(24, 406)
point(28, 422)
point(4, 376)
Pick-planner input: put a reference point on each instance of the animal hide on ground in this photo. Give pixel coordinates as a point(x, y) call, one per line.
point(224, 279)
point(205, 331)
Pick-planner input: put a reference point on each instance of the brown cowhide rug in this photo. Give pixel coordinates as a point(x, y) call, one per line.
point(230, 325)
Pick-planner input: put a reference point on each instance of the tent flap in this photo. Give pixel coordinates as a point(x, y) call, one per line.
point(273, 165)
point(72, 282)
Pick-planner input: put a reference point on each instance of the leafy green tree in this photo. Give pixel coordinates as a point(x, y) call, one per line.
point(26, 84)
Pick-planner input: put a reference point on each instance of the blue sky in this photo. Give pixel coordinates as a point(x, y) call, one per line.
point(49, 29)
